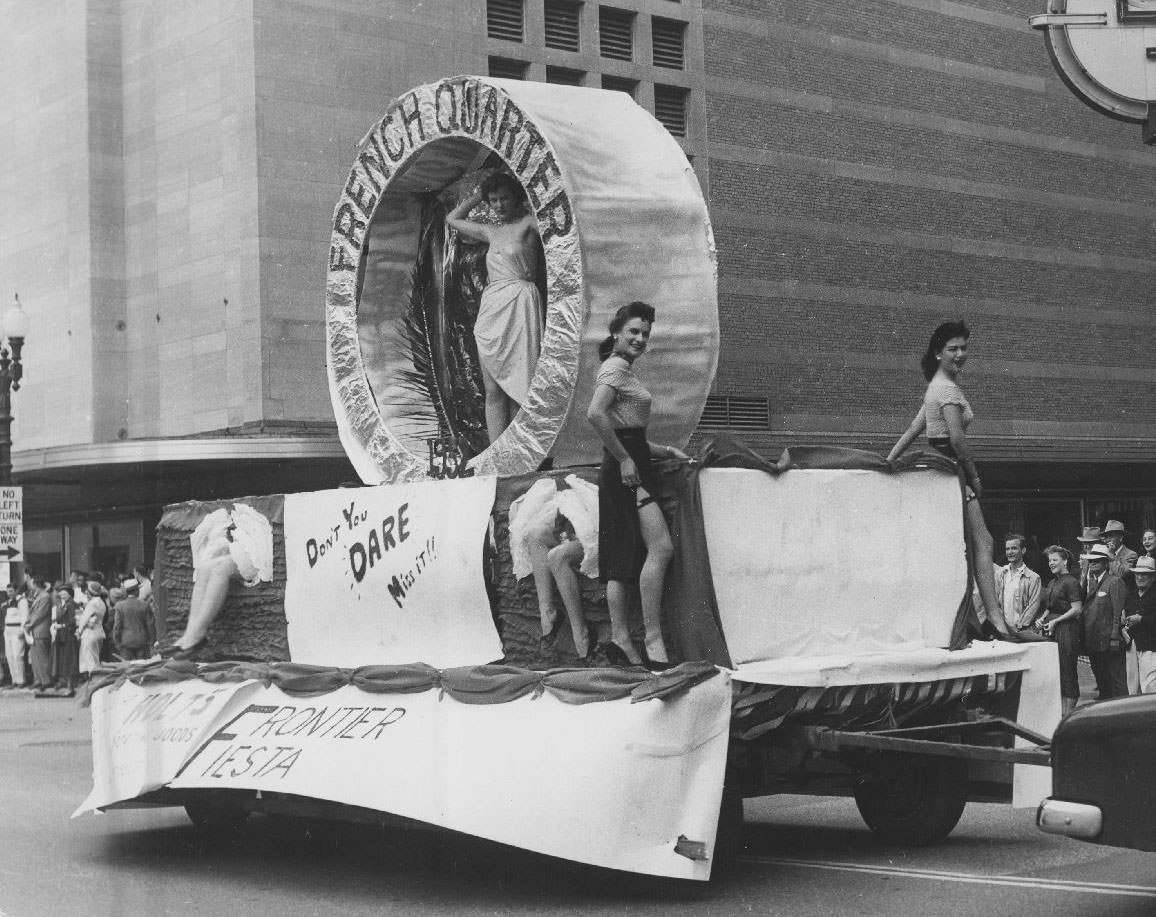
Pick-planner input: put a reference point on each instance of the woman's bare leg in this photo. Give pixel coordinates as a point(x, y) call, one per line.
point(618, 604)
point(542, 540)
point(979, 543)
point(659, 551)
point(497, 410)
point(563, 559)
point(209, 592)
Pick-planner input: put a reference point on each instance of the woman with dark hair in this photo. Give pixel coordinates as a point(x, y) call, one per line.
point(1148, 543)
point(508, 329)
point(946, 415)
point(1062, 602)
point(634, 544)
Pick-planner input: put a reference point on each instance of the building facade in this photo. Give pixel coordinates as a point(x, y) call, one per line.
point(169, 171)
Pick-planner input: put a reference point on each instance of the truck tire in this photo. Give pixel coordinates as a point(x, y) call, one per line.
point(913, 800)
point(728, 841)
point(219, 820)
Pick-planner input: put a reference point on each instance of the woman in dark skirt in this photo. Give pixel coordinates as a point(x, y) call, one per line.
point(945, 416)
point(634, 545)
point(1062, 603)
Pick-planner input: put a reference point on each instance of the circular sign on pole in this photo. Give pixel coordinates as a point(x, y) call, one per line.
point(619, 216)
point(1105, 52)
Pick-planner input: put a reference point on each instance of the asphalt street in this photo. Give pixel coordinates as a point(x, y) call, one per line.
point(805, 856)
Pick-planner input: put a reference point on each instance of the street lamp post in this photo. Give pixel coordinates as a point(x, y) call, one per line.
point(15, 329)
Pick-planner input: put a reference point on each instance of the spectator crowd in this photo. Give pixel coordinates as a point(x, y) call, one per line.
point(1098, 604)
point(56, 634)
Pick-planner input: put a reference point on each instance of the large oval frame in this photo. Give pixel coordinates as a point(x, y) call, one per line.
point(621, 217)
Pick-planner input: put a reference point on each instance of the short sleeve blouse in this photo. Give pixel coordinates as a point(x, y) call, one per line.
point(631, 405)
point(941, 392)
point(1059, 595)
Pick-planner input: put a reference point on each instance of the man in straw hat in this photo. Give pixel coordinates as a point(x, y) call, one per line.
point(1105, 599)
point(1141, 622)
point(1090, 536)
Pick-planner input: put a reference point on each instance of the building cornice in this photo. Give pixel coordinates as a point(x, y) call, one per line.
point(206, 449)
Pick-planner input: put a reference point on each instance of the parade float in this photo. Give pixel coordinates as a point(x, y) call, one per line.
point(384, 660)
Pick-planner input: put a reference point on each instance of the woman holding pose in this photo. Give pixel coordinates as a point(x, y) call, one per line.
point(946, 415)
point(226, 546)
point(508, 329)
point(554, 536)
point(634, 544)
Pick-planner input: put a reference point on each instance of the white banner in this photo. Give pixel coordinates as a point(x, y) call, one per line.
point(142, 735)
point(390, 575)
point(822, 562)
point(611, 783)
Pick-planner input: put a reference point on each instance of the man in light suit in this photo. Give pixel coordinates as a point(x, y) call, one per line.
point(38, 629)
point(1123, 557)
point(1105, 600)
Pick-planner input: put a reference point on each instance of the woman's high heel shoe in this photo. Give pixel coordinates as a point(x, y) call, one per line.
point(653, 666)
point(591, 646)
point(174, 651)
point(549, 636)
point(616, 655)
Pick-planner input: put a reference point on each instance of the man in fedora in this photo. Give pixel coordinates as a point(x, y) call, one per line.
point(1123, 557)
point(1141, 621)
point(1105, 600)
point(133, 631)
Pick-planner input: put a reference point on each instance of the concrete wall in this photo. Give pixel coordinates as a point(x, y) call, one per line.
point(51, 146)
point(170, 171)
point(878, 167)
point(191, 217)
point(325, 73)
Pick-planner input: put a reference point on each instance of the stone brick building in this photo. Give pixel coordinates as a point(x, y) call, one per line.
point(168, 174)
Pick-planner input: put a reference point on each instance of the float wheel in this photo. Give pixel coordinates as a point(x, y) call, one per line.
point(912, 800)
point(216, 818)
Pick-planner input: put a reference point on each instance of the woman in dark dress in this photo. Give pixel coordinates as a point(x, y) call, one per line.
point(634, 545)
point(1061, 601)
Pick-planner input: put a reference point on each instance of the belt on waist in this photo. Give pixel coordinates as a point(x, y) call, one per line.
point(13, 625)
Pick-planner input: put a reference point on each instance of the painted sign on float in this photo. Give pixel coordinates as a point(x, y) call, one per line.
point(492, 770)
point(142, 734)
point(389, 574)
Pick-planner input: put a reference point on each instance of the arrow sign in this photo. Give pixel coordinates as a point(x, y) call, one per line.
point(11, 524)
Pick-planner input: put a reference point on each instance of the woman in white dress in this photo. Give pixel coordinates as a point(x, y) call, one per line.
point(90, 628)
point(508, 329)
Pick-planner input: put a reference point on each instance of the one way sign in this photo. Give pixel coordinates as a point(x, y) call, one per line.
point(11, 524)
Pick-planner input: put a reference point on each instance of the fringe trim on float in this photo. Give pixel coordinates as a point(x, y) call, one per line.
point(758, 709)
point(479, 684)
